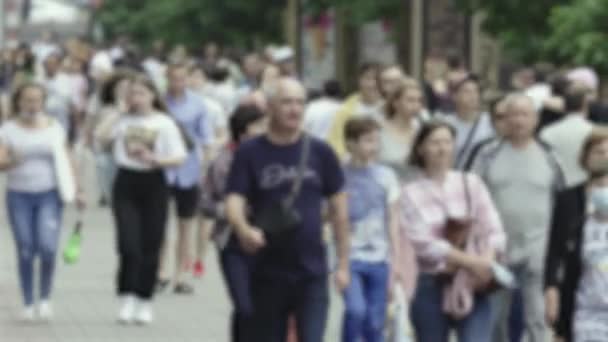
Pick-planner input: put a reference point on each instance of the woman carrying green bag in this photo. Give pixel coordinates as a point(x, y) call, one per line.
point(40, 180)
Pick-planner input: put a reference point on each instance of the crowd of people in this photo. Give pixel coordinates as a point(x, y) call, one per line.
point(490, 215)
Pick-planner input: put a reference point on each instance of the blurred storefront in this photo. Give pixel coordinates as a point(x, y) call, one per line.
point(330, 47)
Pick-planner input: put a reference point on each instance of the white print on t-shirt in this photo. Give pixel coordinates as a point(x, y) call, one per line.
point(273, 175)
point(138, 138)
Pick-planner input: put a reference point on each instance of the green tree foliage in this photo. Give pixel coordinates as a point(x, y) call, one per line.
point(579, 34)
point(192, 22)
point(522, 26)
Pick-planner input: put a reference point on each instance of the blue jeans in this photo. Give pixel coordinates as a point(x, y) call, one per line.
point(274, 299)
point(433, 325)
point(365, 302)
point(516, 317)
point(35, 219)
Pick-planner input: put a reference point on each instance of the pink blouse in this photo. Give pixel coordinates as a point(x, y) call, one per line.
point(426, 205)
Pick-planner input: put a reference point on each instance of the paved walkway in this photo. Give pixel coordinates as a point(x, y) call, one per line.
point(85, 304)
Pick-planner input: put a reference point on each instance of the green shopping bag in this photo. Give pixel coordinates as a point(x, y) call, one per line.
point(71, 253)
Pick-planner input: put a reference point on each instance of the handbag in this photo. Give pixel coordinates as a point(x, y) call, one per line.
point(457, 230)
point(71, 253)
point(278, 218)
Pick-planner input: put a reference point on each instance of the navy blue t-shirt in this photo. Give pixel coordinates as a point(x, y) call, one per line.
point(263, 173)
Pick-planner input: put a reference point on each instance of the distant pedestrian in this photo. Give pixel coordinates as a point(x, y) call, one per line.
point(247, 122)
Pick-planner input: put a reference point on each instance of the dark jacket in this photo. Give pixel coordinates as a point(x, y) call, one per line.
point(563, 263)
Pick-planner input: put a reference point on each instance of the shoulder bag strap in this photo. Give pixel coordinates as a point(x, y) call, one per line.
point(468, 141)
point(297, 183)
point(467, 194)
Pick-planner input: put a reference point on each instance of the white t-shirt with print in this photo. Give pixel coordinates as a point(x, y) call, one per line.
point(591, 316)
point(156, 132)
point(319, 117)
point(371, 192)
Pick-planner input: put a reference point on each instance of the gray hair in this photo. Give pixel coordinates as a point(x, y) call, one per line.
point(518, 97)
point(272, 93)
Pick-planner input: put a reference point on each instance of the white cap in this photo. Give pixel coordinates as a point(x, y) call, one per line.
point(283, 54)
point(585, 75)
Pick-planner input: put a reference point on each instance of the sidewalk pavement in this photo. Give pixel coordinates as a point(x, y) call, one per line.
point(85, 305)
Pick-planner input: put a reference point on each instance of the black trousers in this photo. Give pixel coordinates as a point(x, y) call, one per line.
point(274, 299)
point(140, 205)
point(236, 268)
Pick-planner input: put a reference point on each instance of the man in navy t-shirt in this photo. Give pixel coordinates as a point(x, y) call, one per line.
point(290, 273)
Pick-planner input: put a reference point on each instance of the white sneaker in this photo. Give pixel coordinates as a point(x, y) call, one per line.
point(144, 315)
point(45, 311)
point(127, 309)
point(28, 314)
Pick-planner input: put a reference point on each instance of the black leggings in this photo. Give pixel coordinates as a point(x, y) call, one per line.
point(140, 205)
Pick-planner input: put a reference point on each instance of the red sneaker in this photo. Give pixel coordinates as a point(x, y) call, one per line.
point(199, 269)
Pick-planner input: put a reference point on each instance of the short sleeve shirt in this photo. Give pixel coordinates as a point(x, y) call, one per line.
point(35, 171)
point(263, 173)
point(156, 132)
point(371, 192)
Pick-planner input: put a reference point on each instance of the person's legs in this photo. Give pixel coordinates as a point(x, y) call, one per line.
point(271, 308)
point(20, 209)
point(109, 174)
point(428, 319)
point(311, 303)
point(154, 208)
point(48, 222)
point(164, 270)
point(237, 272)
point(376, 287)
point(187, 201)
point(534, 306)
point(128, 222)
point(516, 318)
point(354, 306)
point(100, 172)
point(501, 310)
point(106, 171)
point(203, 234)
point(477, 326)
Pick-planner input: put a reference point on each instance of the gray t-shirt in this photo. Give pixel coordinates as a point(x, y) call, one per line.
point(35, 171)
point(468, 134)
point(522, 183)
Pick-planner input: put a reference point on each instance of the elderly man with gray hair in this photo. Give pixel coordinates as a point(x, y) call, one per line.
point(522, 174)
point(276, 189)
